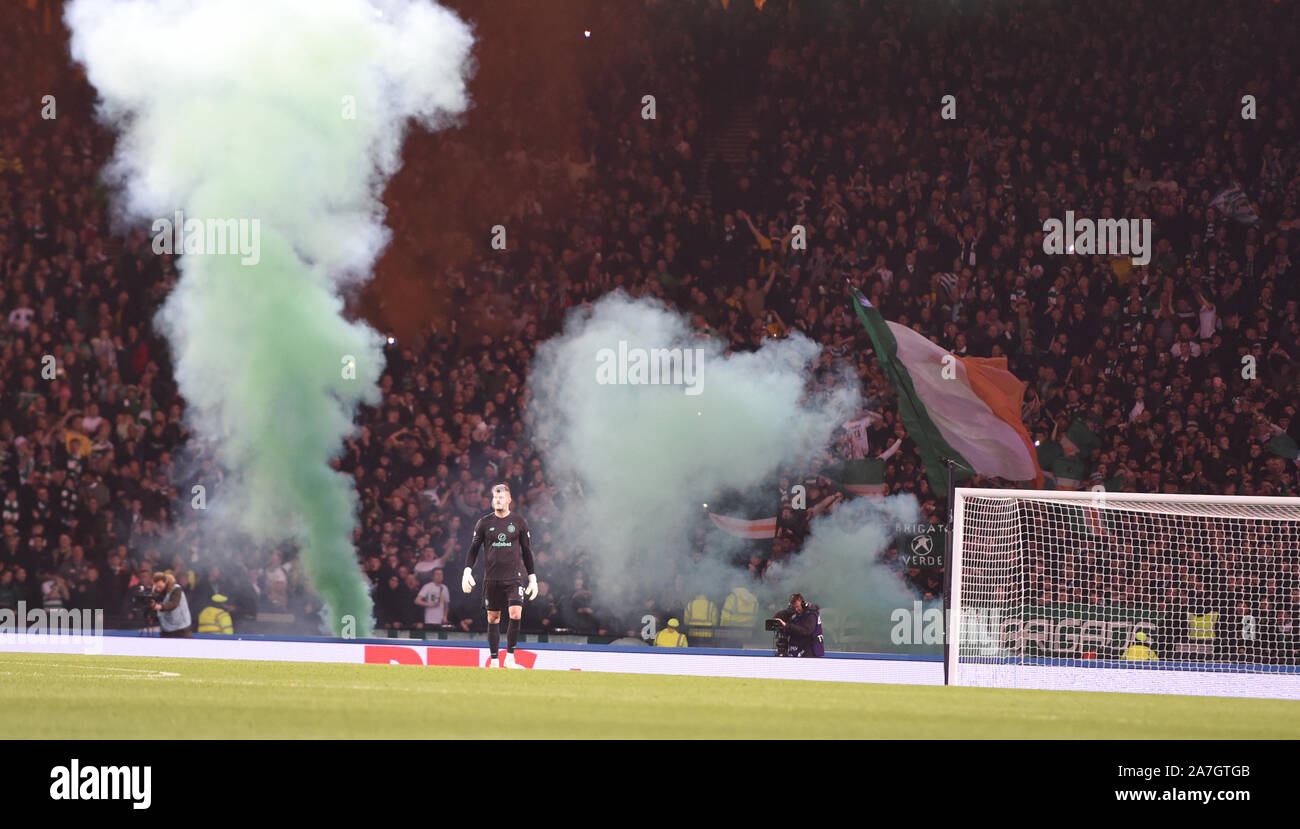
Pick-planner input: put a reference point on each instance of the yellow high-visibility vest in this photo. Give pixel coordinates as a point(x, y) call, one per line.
point(670, 638)
point(740, 609)
point(213, 619)
point(1138, 653)
point(701, 616)
point(1201, 627)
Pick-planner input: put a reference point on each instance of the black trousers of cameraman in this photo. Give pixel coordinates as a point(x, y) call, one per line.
point(183, 633)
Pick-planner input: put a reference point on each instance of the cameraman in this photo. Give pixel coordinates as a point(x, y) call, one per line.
point(173, 609)
point(802, 622)
point(139, 600)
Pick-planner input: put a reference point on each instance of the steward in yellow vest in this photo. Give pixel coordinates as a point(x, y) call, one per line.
point(701, 617)
point(740, 610)
point(671, 637)
point(215, 618)
point(1201, 627)
point(1138, 651)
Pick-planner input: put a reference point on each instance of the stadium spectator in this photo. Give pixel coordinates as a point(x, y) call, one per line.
point(10, 593)
point(543, 614)
point(435, 598)
point(88, 592)
point(579, 614)
point(274, 584)
point(428, 564)
point(389, 612)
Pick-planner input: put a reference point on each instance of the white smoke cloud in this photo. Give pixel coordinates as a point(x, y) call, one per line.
point(648, 456)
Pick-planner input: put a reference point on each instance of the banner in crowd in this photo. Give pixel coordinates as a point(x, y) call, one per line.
point(752, 528)
point(1074, 631)
point(860, 476)
point(1085, 631)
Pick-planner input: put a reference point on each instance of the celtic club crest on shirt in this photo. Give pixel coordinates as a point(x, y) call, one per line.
point(510, 528)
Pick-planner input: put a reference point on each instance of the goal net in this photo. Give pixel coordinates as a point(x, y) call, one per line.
point(1097, 591)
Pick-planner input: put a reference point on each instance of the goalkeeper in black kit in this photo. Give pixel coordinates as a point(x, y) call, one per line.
point(509, 555)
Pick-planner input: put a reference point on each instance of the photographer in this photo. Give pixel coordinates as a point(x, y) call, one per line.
point(173, 609)
point(802, 625)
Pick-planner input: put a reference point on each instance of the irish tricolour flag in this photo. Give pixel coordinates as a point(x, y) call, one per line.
point(966, 409)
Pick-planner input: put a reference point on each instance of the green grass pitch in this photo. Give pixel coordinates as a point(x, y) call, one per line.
point(49, 697)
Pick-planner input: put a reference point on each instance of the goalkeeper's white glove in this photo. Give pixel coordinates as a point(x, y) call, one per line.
point(531, 590)
point(467, 580)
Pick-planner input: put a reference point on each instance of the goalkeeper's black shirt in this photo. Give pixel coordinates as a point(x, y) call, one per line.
point(508, 545)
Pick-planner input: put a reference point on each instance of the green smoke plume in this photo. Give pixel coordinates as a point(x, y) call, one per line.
point(289, 115)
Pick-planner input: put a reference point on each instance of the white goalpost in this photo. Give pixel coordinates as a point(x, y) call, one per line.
point(1113, 591)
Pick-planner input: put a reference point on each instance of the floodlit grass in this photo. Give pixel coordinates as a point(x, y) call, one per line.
point(46, 696)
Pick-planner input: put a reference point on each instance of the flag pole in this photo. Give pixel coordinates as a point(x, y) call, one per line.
point(949, 465)
point(947, 569)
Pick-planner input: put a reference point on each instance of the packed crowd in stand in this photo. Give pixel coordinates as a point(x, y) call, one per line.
point(1174, 376)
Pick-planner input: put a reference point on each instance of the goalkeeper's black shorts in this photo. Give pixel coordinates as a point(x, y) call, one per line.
point(498, 595)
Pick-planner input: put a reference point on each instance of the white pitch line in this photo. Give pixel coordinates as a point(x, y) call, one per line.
point(96, 667)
